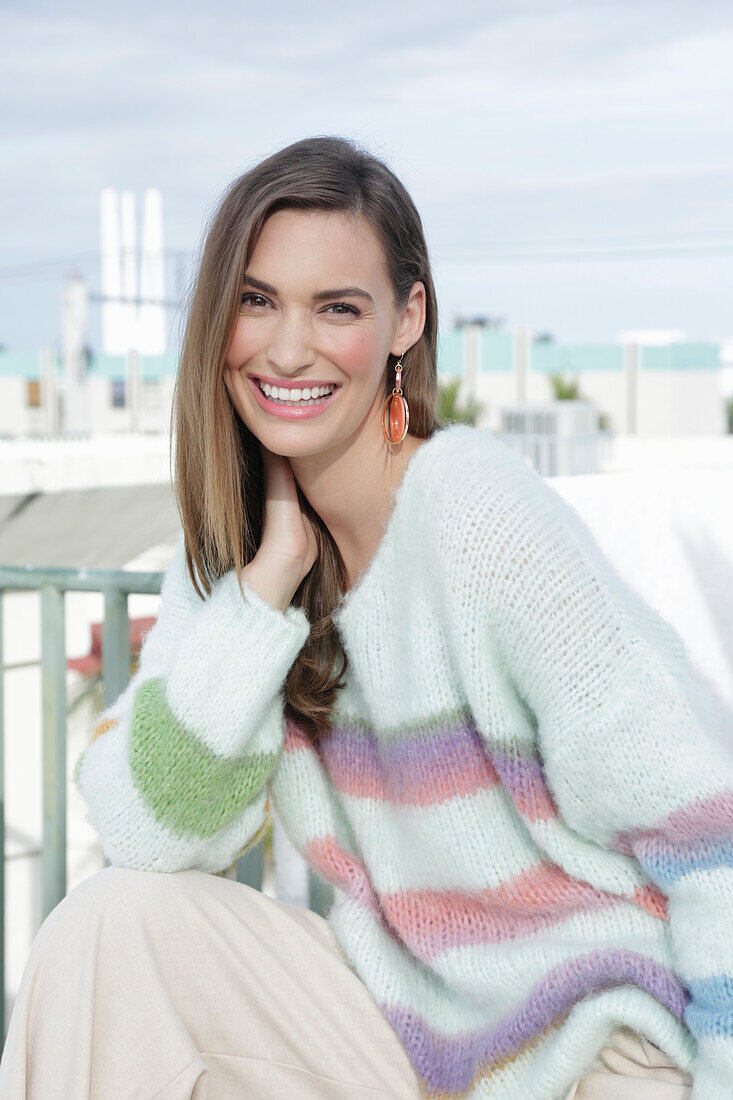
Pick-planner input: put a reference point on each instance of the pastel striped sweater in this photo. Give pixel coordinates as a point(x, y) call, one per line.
point(527, 822)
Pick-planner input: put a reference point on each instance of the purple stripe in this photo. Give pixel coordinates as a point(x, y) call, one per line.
point(355, 749)
point(449, 1064)
point(524, 779)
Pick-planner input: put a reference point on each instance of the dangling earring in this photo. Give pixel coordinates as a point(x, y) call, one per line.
point(396, 411)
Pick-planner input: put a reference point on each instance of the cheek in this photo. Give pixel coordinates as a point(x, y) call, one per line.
point(356, 353)
point(242, 345)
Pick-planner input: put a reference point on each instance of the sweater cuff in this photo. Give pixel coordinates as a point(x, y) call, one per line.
point(230, 664)
point(278, 636)
point(295, 615)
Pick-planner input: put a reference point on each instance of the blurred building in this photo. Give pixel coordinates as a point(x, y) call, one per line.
point(643, 385)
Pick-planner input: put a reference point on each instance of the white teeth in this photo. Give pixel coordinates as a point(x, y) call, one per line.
point(306, 396)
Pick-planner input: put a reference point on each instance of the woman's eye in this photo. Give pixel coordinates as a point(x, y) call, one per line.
point(351, 309)
point(248, 299)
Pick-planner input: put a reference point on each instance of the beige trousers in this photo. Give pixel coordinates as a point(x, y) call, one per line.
point(190, 986)
point(630, 1066)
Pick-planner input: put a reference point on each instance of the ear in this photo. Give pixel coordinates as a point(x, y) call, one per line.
point(411, 321)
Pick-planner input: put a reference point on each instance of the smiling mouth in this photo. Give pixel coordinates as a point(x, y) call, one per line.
point(289, 409)
point(307, 384)
point(317, 395)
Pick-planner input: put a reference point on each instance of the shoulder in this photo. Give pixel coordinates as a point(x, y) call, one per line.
point(463, 458)
point(494, 525)
point(476, 486)
point(497, 528)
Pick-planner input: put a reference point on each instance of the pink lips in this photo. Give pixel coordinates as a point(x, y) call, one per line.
point(290, 412)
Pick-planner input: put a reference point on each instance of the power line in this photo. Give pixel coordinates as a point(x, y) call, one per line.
point(494, 250)
point(617, 238)
point(639, 253)
point(32, 269)
point(173, 303)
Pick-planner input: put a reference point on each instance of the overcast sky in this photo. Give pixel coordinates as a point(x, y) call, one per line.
point(572, 162)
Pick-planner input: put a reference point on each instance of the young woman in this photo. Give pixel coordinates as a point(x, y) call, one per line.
point(397, 636)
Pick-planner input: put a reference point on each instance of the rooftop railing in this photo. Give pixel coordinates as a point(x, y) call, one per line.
point(116, 585)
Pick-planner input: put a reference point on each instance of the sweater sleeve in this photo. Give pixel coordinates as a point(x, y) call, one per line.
point(176, 773)
point(625, 728)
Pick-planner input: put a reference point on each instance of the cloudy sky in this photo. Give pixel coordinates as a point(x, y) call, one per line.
point(572, 162)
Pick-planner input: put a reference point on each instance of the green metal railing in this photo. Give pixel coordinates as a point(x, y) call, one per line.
point(116, 585)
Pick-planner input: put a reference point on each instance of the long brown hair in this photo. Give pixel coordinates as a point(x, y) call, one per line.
point(218, 482)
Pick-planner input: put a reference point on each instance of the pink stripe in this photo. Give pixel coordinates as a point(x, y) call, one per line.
point(705, 819)
point(652, 899)
point(434, 921)
point(430, 922)
point(347, 872)
point(295, 738)
point(524, 779)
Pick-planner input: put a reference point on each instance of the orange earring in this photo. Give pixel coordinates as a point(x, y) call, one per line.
point(396, 411)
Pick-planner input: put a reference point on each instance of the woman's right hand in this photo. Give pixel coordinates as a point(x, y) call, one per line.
point(288, 539)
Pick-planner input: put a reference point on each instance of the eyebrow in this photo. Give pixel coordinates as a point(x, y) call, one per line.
point(319, 296)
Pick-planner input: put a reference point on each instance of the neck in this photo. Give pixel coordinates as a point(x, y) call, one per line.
point(351, 486)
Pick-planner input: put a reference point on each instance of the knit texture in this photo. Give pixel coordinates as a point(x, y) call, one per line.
point(527, 822)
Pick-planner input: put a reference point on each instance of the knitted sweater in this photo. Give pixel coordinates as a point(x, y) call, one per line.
point(527, 823)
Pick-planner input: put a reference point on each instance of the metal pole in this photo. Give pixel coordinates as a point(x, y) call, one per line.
point(53, 676)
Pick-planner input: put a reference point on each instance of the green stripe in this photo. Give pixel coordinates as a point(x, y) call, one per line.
point(187, 786)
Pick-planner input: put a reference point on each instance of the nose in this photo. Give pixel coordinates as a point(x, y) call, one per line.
point(291, 346)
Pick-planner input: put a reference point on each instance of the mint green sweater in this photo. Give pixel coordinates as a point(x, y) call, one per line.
point(520, 803)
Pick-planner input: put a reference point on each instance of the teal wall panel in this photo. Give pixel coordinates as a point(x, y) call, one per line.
point(450, 352)
point(576, 358)
point(496, 350)
point(20, 364)
point(692, 356)
point(108, 366)
point(155, 367)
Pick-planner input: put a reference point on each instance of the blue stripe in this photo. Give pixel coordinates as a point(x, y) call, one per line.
point(716, 990)
point(709, 1015)
point(666, 868)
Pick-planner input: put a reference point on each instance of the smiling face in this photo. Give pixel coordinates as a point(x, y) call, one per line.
point(317, 309)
